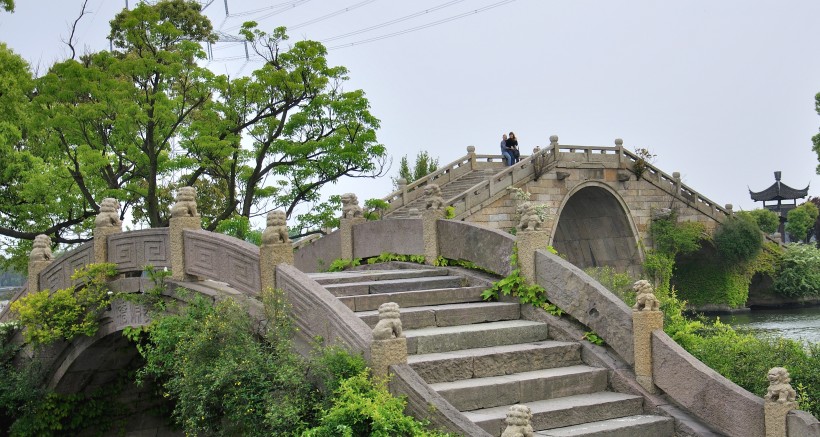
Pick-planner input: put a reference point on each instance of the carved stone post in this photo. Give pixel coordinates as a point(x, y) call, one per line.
point(434, 210)
point(389, 344)
point(780, 399)
point(471, 156)
point(518, 421)
point(646, 318)
point(529, 238)
point(619, 144)
point(730, 209)
point(183, 216)
point(351, 216)
point(276, 248)
point(39, 258)
point(676, 177)
point(107, 223)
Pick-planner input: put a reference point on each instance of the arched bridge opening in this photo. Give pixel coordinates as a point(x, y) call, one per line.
point(594, 230)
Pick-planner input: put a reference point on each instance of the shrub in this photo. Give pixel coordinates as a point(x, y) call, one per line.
point(800, 221)
point(701, 281)
point(672, 238)
point(66, 313)
point(738, 240)
point(768, 221)
point(620, 284)
point(798, 273)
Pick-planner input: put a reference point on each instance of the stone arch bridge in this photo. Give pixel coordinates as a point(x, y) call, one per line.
point(664, 388)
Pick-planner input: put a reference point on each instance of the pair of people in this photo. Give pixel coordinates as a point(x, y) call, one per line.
point(509, 149)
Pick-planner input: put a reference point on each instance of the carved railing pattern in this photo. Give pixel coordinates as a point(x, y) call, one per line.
point(222, 258)
point(58, 274)
point(133, 251)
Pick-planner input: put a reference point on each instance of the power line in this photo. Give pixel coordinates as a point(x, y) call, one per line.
point(388, 23)
point(331, 15)
point(288, 7)
point(424, 26)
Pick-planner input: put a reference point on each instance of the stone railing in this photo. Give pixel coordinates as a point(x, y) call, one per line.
point(410, 192)
point(210, 255)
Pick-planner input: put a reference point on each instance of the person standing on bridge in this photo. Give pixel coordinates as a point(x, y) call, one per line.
point(512, 145)
point(505, 152)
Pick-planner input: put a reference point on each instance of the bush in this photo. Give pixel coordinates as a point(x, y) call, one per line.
point(798, 273)
point(768, 221)
point(701, 281)
point(738, 240)
point(620, 284)
point(672, 238)
point(800, 221)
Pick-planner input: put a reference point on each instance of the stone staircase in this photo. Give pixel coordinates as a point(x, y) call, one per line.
point(449, 190)
point(483, 358)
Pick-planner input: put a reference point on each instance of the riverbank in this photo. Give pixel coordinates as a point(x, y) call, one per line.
point(801, 324)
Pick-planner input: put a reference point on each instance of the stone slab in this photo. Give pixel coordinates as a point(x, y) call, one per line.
point(415, 298)
point(394, 285)
point(631, 426)
point(449, 338)
point(450, 314)
point(329, 278)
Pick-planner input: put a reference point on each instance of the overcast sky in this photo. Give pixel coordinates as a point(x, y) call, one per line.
point(721, 91)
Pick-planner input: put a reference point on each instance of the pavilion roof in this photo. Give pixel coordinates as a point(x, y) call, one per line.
point(779, 191)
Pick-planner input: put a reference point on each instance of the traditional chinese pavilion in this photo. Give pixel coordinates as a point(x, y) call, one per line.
point(775, 195)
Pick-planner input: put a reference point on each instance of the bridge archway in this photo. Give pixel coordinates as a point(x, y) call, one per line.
point(594, 229)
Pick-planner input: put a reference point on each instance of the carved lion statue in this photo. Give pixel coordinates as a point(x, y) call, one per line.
point(389, 325)
point(529, 217)
point(350, 206)
point(433, 194)
point(108, 216)
point(518, 422)
point(185, 205)
point(41, 250)
point(646, 300)
point(276, 231)
point(779, 388)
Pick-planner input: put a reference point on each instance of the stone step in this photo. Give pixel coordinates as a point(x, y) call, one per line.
point(331, 278)
point(563, 412)
point(519, 388)
point(450, 314)
point(451, 338)
point(409, 299)
point(631, 426)
point(395, 285)
point(494, 361)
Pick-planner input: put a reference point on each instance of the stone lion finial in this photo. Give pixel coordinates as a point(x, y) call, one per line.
point(518, 422)
point(276, 230)
point(433, 194)
point(389, 325)
point(350, 206)
point(779, 388)
point(41, 250)
point(185, 205)
point(645, 300)
point(530, 220)
point(108, 216)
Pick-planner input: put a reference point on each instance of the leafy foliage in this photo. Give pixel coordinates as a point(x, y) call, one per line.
point(798, 274)
point(337, 265)
point(704, 281)
point(593, 338)
point(800, 221)
point(766, 220)
point(424, 165)
point(515, 285)
point(738, 240)
point(374, 209)
point(619, 283)
point(387, 257)
point(673, 238)
point(239, 227)
point(362, 408)
point(641, 165)
point(66, 313)
point(146, 118)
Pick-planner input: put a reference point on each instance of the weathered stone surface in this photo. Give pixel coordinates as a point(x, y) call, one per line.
point(222, 258)
point(802, 424)
point(430, 237)
point(442, 339)
point(643, 324)
point(416, 298)
point(132, 251)
point(775, 419)
point(101, 235)
point(400, 236)
point(487, 248)
point(632, 426)
point(176, 245)
point(394, 285)
point(385, 353)
point(346, 234)
point(332, 278)
point(588, 301)
point(317, 255)
point(704, 392)
point(450, 314)
point(527, 243)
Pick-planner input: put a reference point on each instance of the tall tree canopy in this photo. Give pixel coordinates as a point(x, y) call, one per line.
point(142, 120)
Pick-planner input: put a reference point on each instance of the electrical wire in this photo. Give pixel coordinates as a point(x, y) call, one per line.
point(290, 6)
point(331, 15)
point(424, 26)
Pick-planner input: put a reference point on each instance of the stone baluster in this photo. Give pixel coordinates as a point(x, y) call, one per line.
point(729, 209)
point(184, 216)
point(646, 318)
point(389, 344)
point(676, 178)
point(107, 223)
point(351, 216)
point(276, 248)
point(529, 238)
point(471, 157)
point(402, 182)
point(619, 144)
point(779, 400)
point(434, 210)
point(39, 258)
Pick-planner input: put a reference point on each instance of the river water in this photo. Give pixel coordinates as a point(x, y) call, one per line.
point(801, 324)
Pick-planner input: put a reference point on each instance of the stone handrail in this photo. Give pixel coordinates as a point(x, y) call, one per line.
point(674, 186)
point(414, 190)
point(58, 274)
point(223, 258)
point(132, 251)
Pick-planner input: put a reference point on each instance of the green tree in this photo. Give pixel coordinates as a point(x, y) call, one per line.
point(8, 5)
point(424, 165)
point(800, 221)
point(738, 240)
point(140, 121)
point(768, 221)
